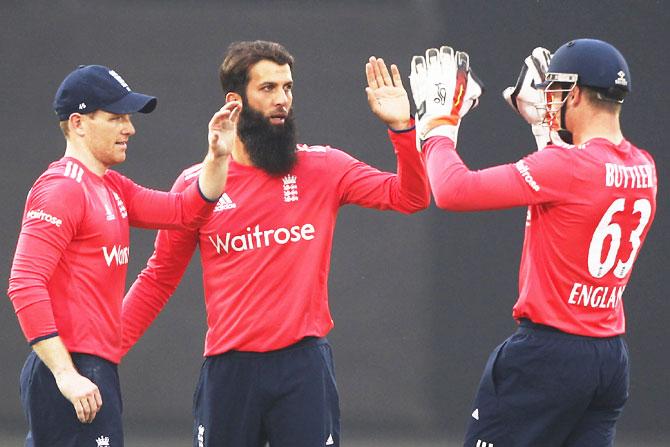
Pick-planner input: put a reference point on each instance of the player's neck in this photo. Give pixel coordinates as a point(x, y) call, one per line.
point(85, 157)
point(598, 125)
point(240, 154)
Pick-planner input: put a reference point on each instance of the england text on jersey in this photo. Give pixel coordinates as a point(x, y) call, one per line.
point(602, 297)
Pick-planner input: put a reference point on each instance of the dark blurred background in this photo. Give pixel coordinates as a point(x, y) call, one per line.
point(418, 301)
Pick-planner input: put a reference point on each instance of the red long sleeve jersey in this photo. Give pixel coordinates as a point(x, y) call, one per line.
point(265, 251)
point(69, 270)
point(591, 207)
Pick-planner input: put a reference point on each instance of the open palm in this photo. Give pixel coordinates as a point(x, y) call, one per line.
point(223, 128)
point(386, 95)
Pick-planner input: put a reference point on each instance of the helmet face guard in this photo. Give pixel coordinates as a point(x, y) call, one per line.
point(558, 87)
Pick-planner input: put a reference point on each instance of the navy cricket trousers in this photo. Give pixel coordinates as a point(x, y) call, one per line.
point(286, 397)
point(543, 387)
point(52, 419)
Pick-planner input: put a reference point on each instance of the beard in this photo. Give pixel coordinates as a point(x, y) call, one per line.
point(271, 147)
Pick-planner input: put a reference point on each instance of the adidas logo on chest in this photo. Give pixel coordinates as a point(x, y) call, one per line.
point(224, 203)
point(289, 192)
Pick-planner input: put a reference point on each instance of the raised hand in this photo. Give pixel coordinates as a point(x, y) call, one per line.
point(527, 97)
point(444, 90)
point(223, 129)
point(386, 95)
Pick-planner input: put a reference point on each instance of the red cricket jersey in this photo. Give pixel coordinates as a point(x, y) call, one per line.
point(69, 271)
point(590, 208)
point(265, 251)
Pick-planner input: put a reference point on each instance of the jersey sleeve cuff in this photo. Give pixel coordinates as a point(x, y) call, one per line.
point(411, 127)
point(43, 337)
point(204, 197)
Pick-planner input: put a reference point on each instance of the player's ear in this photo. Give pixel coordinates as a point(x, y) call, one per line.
point(75, 123)
point(576, 95)
point(232, 96)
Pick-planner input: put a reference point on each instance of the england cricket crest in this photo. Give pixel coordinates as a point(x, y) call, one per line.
point(290, 188)
point(102, 441)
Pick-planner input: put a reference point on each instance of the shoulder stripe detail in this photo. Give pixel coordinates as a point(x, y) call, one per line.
point(74, 171)
point(193, 171)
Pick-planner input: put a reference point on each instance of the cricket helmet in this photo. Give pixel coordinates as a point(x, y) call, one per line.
point(592, 63)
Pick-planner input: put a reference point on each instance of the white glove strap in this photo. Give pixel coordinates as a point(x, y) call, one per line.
point(444, 131)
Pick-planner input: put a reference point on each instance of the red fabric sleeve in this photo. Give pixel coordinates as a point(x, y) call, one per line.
point(53, 211)
point(541, 177)
point(148, 208)
point(407, 191)
point(153, 287)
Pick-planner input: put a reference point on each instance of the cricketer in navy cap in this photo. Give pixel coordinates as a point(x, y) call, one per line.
point(95, 87)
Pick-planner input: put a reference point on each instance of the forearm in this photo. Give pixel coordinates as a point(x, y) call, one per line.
point(457, 188)
point(155, 284)
point(406, 191)
point(34, 262)
point(221, 139)
point(186, 207)
point(413, 192)
point(141, 306)
point(55, 356)
point(212, 180)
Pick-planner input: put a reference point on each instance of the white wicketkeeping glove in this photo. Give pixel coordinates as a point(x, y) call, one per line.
point(444, 90)
point(528, 101)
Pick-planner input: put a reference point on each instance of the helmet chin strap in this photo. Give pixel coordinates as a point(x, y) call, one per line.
point(561, 137)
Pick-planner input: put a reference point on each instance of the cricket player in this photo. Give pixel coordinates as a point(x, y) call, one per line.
point(562, 378)
point(268, 373)
point(69, 271)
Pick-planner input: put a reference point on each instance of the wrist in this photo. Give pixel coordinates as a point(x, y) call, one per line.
point(64, 371)
point(399, 126)
point(216, 157)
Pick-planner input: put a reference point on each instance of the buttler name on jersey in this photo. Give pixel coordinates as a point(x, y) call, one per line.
point(257, 238)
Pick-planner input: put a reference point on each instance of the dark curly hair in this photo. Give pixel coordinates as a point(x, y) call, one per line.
point(241, 56)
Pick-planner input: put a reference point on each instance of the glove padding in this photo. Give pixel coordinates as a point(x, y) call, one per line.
point(527, 100)
point(444, 90)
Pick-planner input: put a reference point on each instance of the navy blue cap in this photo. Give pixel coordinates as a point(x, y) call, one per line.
point(95, 87)
point(596, 64)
